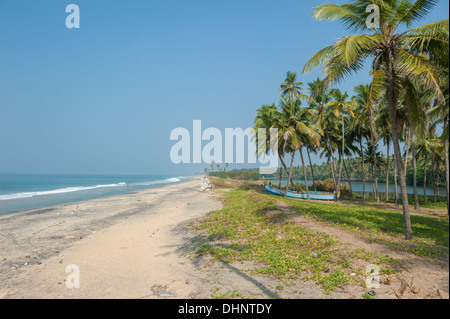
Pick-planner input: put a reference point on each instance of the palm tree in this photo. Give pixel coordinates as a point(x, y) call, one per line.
point(362, 98)
point(360, 126)
point(440, 114)
point(379, 161)
point(268, 117)
point(319, 98)
point(291, 89)
point(395, 56)
point(340, 105)
point(308, 136)
point(382, 122)
point(296, 128)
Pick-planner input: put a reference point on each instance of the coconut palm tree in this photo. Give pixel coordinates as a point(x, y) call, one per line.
point(382, 122)
point(440, 114)
point(268, 117)
point(360, 126)
point(340, 106)
point(291, 89)
point(362, 98)
point(319, 98)
point(395, 55)
point(295, 129)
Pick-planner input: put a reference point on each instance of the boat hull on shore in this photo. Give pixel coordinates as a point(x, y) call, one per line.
point(270, 189)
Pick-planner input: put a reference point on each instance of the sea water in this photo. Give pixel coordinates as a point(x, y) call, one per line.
point(20, 192)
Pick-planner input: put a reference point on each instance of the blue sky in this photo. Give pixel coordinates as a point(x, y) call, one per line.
point(104, 98)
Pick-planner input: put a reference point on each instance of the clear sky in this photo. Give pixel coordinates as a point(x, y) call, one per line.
point(104, 98)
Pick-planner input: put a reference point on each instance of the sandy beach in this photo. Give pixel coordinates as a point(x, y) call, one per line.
point(138, 245)
point(125, 246)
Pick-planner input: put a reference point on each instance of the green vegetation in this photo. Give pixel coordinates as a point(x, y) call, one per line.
point(382, 226)
point(252, 228)
point(243, 174)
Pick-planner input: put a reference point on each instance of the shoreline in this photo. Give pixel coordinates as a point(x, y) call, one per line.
point(36, 210)
point(42, 202)
point(128, 231)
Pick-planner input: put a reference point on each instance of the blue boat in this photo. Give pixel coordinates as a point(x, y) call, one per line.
point(270, 189)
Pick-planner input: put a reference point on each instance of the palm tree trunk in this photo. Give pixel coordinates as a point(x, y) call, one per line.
point(373, 183)
point(446, 166)
point(304, 172)
point(387, 171)
point(438, 183)
point(395, 181)
point(281, 168)
point(290, 172)
point(281, 173)
point(287, 172)
point(341, 156)
point(413, 151)
point(425, 179)
point(349, 179)
point(340, 173)
point(408, 145)
point(332, 171)
point(333, 166)
point(374, 171)
point(363, 169)
point(392, 104)
point(312, 170)
point(434, 176)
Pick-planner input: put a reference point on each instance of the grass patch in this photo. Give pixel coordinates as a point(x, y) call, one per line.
point(441, 202)
point(383, 226)
point(251, 228)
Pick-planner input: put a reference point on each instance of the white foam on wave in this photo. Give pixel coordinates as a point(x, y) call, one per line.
point(56, 191)
point(163, 181)
point(83, 188)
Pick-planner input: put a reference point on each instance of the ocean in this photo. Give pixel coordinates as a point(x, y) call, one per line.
point(19, 192)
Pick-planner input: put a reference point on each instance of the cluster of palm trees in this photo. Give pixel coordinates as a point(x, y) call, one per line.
point(407, 99)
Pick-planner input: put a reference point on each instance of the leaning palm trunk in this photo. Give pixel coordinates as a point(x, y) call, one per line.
point(290, 172)
point(416, 197)
point(281, 173)
point(333, 166)
point(312, 170)
point(408, 145)
point(392, 104)
point(304, 173)
point(287, 172)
